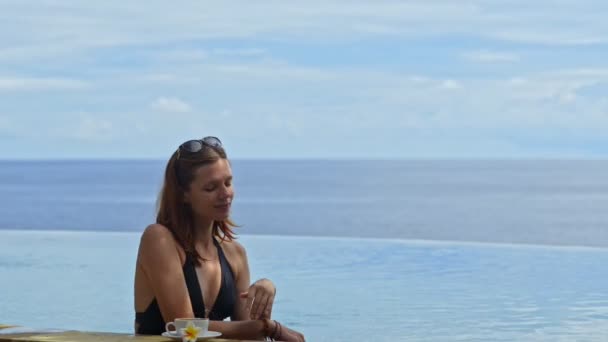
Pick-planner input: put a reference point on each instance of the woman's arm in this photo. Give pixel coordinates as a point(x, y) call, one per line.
point(243, 330)
point(241, 311)
point(256, 329)
point(160, 261)
point(258, 297)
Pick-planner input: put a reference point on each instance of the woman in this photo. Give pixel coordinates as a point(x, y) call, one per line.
point(189, 264)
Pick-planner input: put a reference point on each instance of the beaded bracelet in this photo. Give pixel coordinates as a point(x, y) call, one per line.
point(278, 333)
point(276, 327)
point(267, 335)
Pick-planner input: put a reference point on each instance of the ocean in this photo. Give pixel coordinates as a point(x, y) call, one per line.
point(359, 250)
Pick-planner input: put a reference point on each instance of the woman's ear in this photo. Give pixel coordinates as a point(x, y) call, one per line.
point(187, 197)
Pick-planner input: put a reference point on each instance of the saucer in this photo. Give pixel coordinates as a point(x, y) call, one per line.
point(208, 334)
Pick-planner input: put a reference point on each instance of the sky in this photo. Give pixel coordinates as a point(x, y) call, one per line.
point(428, 79)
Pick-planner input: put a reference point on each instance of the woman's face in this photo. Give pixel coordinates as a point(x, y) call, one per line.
point(210, 194)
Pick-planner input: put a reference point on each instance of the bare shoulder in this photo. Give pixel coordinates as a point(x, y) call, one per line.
point(237, 256)
point(157, 239)
point(235, 249)
point(157, 235)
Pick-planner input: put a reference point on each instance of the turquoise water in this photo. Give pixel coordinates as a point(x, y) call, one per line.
point(332, 289)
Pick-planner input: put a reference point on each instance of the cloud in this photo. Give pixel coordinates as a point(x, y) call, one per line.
point(330, 97)
point(171, 105)
point(277, 71)
point(75, 27)
point(34, 84)
point(82, 127)
point(94, 129)
point(290, 70)
point(181, 55)
point(484, 56)
point(252, 52)
point(561, 38)
point(451, 84)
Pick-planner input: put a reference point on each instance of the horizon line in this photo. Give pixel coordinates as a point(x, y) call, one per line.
point(412, 241)
point(456, 159)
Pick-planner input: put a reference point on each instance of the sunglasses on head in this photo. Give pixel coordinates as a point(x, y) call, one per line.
point(194, 146)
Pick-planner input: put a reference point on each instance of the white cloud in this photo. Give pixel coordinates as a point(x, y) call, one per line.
point(32, 84)
point(278, 71)
point(92, 129)
point(451, 84)
point(560, 38)
point(240, 56)
point(181, 55)
point(162, 77)
point(75, 26)
point(171, 105)
point(351, 95)
point(253, 52)
point(555, 84)
point(484, 56)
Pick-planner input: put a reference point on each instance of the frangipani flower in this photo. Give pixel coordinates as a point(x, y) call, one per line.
point(190, 333)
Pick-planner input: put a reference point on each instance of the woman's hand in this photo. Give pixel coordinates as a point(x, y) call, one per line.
point(260, 298)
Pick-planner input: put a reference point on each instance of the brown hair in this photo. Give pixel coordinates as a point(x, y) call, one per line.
point(174, 213)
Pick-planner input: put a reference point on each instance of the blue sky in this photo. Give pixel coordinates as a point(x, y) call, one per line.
point(315, 79)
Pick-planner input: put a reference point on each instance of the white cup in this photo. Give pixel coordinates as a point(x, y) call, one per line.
point(181, 323)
